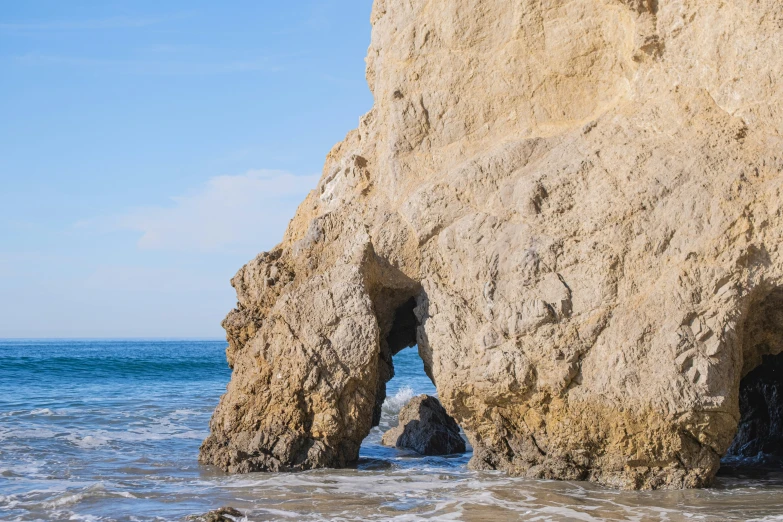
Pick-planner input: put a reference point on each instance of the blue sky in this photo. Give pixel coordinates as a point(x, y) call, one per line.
point(149, 149)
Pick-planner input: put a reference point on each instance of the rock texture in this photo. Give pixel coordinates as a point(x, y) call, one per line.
point(573, 207)
point(224, 514)
point(425, 427)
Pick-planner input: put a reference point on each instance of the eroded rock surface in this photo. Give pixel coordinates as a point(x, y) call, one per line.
point(573, 207)
point(425, 427)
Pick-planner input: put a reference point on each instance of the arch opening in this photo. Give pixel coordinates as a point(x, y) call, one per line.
point(759, 437)
point(403, 375)
point(401, 333)
point(760, 430)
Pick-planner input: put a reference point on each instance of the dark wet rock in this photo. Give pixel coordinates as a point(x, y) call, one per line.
point(224, 514)
point(760, 430)
point(426, 428)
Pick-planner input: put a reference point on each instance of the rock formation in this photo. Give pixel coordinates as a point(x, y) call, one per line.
point(573, 207)
point(425, 427)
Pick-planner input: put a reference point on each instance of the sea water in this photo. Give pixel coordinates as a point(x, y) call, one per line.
point(110, 430)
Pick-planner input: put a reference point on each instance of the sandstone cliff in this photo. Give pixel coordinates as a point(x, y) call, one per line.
point(573, 207)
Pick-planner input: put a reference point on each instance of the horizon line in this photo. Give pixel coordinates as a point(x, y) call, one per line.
point(113, 339)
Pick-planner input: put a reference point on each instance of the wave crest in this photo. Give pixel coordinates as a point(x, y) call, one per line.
point(392, 405)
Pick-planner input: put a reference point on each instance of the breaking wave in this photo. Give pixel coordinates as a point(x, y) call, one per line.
point(392, 405)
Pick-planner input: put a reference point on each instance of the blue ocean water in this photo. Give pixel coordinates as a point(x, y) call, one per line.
point(89, 427)
point(110, 430)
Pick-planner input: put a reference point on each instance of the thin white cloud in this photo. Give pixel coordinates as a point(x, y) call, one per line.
point(79, 25)
point(155, 67)
point(247, 212)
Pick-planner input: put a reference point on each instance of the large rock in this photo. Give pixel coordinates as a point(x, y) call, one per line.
point(425, 427)
point(573, 207)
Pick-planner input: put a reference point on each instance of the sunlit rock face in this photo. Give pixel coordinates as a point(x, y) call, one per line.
point(573, 207)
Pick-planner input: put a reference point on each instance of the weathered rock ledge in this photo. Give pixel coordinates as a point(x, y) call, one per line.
point(573, 207)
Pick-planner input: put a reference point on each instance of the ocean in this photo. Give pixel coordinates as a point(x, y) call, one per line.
point(110, 430)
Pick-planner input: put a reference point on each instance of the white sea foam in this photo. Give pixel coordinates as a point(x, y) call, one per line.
point(65, 500)
point(393, 405)
point(83, 518)
point(26, 433)
point(71, 497)
point(87, 441)
point(8, 501)
point(156, 432)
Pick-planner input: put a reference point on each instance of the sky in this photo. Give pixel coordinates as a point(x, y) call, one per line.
point(149, 149)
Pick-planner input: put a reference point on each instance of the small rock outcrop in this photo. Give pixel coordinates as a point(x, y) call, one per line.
point(426, 428)
point(574, 208)
point(224, 514)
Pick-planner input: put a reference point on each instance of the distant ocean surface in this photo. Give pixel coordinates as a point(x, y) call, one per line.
point(110, 430)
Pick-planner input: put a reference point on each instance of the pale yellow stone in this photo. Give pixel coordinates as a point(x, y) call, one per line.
point(585, 199)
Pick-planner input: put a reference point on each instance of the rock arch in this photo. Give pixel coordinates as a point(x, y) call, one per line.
point(584, 219)
point(311, 347)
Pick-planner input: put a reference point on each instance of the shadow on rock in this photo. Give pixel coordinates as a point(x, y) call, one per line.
point(426, 428)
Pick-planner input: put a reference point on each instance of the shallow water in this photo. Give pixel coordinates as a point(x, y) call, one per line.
point(110, 430)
